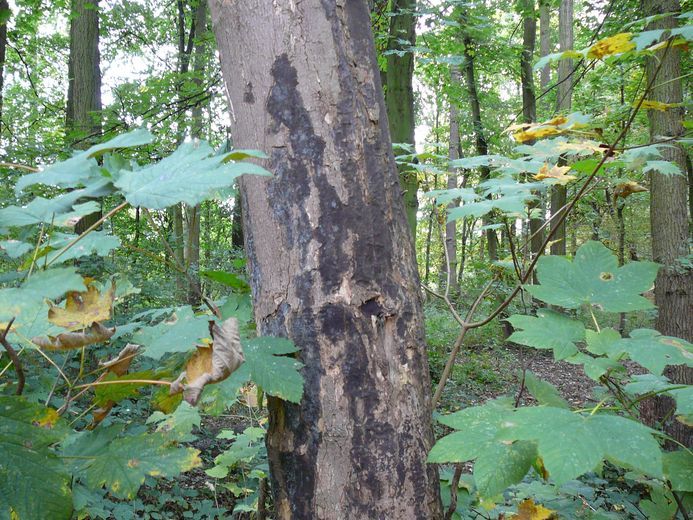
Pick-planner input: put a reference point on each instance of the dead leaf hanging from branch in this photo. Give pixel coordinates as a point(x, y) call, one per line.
point(211, 364)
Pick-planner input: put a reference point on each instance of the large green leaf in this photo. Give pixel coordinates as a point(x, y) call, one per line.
point(549, 330)
point(544, 392)
point(104, 458)
point(82, 166)
point(95, 243)
point(269, 368)
point(571, 444)
point(15, 248)
point(55, 282)
point(179, 424)
point(33, 482)
point(654, 351)
point(477, 427)
point(500, 465)
point(594, 278)
point(188, 175)
point(178, 333)
point(678, 469)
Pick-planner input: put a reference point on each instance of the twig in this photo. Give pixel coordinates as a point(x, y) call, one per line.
point(679, 502)
point(14, 357)
point(454, 483)
point(16, 166)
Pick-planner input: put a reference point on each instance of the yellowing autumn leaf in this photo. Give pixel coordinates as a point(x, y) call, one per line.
point(83, 308)
point(580, 146)
point(96, 333)
point(528, 510)
point(626, 189)
point(211, 364)
point(616, 44)
point(649, 104)
point(537, 132)
point(557, 174)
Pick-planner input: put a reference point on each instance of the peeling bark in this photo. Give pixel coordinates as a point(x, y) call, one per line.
point(331, 260)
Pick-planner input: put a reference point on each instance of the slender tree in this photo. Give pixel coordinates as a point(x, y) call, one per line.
point(304, 85)
point(669, 218)
point(564, 103)
point(399, 94)
point(453, 154)
point(5, 14)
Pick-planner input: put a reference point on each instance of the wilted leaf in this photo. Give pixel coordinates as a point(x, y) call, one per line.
point(82, 309)
point(120, 364)
point(616, 44)
point(211, 364)
point(626, 189)
point(556, 174)
point(96, 333)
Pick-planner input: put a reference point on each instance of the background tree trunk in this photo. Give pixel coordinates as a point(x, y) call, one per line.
point(399, 97)
point(83, 116)
point(304, 86)
point(453, 154)
point(564, 102)
point(669, 217)
point(480, 137)
point(5, 14)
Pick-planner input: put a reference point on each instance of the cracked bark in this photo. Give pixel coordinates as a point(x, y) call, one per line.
point(304, 86)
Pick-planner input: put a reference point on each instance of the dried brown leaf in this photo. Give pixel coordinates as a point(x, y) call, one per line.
point(96, 333)
point(211, 364)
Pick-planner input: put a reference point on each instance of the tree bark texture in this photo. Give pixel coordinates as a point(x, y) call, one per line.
point(564, 103)
point(84, 73)
point(83, 116)
point(669, 217)
point(545, 41)
point(399, 95)
point(331, 260)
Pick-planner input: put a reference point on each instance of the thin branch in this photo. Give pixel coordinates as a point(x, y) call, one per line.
point(14, 357)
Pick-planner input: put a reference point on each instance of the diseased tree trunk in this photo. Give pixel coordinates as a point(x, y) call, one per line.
point(5, 14)
point(304, 86)
point(399, 97)
point(453, 154)
point(480, 138)
point(669, 217)
point(564, 94)
point(83, 116)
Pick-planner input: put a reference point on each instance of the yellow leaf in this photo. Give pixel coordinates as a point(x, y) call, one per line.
point(580, 146)
point(528, 510)
point(538, 132)
point(649, 104)
point(211, 364)
point(557, 174)
point(83, 308)
point(626, 189)
point(616, 44)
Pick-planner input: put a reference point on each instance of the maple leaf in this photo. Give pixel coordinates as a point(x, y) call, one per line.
point(626, 189)
point(557, 174)
point(649, 104)
point(96, 333)
point(538, 132)
point(82, 309)
point(211, 364)
point(616, 44)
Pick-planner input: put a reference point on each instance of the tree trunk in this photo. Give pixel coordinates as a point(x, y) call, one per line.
point(453, 154)
point(304, 85)
point(83, 116)
point(399, 95)
point(192, 245)
point(564, 94)
point(5, 14)
point(669, 217)
point(480, 138)
point(545, 42)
